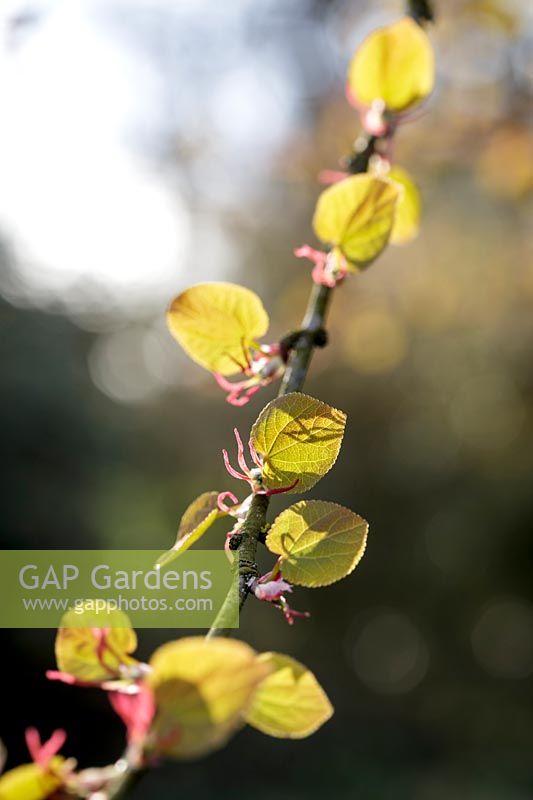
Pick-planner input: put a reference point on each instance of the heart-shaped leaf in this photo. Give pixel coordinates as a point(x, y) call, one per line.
point(318, 542)
point(394, 64)
point(289, 703)
point(356, 215)
point(215, 323)
point(299, 438)
point(196, 520)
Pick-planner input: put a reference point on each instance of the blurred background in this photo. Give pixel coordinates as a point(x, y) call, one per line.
point(146, 145)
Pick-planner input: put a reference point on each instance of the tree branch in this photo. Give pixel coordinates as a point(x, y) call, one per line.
point(301, 352)
point(293, 380)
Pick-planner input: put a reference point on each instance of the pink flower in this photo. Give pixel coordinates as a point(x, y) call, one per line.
point(136, 710)
point(125, 669)
point(42, 754)
point(332, 176)
point(262, 365)
point(377, 120)
point(330, 268)
point(271, 590)
point(289, 613)
point(252, 476)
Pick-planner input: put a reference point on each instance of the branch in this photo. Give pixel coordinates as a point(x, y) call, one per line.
point(312, 334)
point(245, 569)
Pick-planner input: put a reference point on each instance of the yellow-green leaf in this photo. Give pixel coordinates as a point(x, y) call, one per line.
point(407, 218)
point(29, 782)
point(92, 654)
point(357, 215)
point(202, 689)
point(198, 517)
point(318, 542)
point(216, 322)
point(289, 703)
point(298, 437)
point(394, 64)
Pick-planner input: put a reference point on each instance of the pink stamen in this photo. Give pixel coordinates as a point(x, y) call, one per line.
point(328, 176)
point(229, 468)
point(251, 391)
point(305, 251)
point(258, 461)
point(289, 613)
point(64, 677)
point(320, 276)
point(42, 753)
point(224, 384)
point(135, 710)
point(240, 452)
point(221, 504)
point(234, 400)
point(233, 397)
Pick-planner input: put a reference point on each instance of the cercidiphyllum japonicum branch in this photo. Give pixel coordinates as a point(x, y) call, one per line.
point(147, 696)
point(365, 148)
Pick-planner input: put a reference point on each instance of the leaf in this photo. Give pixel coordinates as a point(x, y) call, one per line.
point(394, 64)
point(357, 215)
point(289, 703)
point(30, 782)
point(198, 517)
point(299, 438)
point(93, 654)
point(407, 218)
point(202, 689)
point(319, 543)
point(216, 322)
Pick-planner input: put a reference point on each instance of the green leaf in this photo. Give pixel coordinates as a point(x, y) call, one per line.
point(318, 542)
point(30, 782)
point(215, 323)
point(407, 218)
point(198, 517)
point(394, 64)
point(202, 689)
point(356, 215)
point(299, 438)
point(289, 703)
point(83, 653)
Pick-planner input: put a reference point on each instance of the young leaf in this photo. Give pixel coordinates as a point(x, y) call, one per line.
point(319, 543)
point(202, 689)
point(356, 215)
point(92, 654)
point(299, 438)
point(30, 782)
point(289, 703)
point(407, 218)
point(394, 64)
point(198, 517)
point(215, 323)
